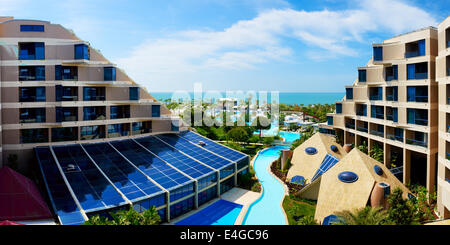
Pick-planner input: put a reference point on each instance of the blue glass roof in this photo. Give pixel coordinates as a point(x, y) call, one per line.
point(62, 201)
point(91, 188)
point(132, 183)
point(104, 175)
point(213, 146)
point(196, 151)
point(153, 167)
point(327, 162)
point(177, 159)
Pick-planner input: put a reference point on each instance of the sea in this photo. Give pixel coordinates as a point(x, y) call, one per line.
point(289, 98)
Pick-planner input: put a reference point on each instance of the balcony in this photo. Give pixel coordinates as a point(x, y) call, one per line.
point(416, 142)
point(394, 137)
point(415, 49)
point(391, 117)
point(377, 133)
point(31, 73)
point(419, 121)
point(362, 129)
point(32, 115)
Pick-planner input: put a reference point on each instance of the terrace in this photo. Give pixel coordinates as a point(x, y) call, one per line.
point(415, 49)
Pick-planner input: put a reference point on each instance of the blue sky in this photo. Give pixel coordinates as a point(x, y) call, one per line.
point(307, 46)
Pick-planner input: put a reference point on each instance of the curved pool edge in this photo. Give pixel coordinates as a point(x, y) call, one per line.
point(286, 190)
point(240, 221)
point(286, 193)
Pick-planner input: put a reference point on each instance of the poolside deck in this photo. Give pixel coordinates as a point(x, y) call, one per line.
point(236, 195)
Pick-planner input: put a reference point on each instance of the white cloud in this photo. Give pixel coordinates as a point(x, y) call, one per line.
point(259, 40)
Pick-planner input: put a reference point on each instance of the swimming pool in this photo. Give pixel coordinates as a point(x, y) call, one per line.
point(267, 209)
point(219, 213)
point(289, 137)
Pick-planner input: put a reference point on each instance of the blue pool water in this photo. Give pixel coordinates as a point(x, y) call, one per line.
point(219, 213)
point(267, 209)
point(289, 137)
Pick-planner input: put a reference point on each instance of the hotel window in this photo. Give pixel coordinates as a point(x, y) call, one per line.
point(361, 110)
point(362, 75)
point(376, 93)
point(392, 93)
point(92, 132)
point(94, 113)
point(64, 134)
point(118, 112)
point(391, 73)
point(32, 115)
point(417, 71)
point(414, 49)
point(349, 93)
point(66, 114)
point(93, 93)
point(377, 112)
point(117, 130)
point(82, 52)
point(156, 110)
point(66, 73)
point(377, 53)
point(31, 51)
point(134, 93)
point(64, 93)
point(141, 127)
point(417, 94)
point(418, 116)
point(338, 108)
point(31, 73)
point(109, 74)
point(38, 135)
point(32, 28)
point(329, 120)
point(31, 94)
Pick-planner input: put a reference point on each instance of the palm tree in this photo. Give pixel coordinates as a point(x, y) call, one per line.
point(364, 216)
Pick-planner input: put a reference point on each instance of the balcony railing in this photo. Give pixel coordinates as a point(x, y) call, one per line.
point(448, 71)
point(361, 113)
point(94, 98)
point(448, 128)
point(362, 129)
point(416, 142)
point(421, 75)
point(377, 115)
point(447, 155)
point(349, 125)
point(448, 100)
point(390, 97)
point(391, 118)
point(418, 98)
point(141, 131)
point(394, 137)
point(411, 54)
point(419, 121)
point(389, 78)
point(377, 133)
point(448, 44)
point(376, 97)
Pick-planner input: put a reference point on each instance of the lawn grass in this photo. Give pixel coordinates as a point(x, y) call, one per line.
point(296, 209)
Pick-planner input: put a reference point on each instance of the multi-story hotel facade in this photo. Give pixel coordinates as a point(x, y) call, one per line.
point(399, 104)
point(94, 139)
point(58, 89)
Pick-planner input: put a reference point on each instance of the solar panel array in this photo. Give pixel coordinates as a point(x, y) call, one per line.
point(106, 175)
point(328, 162)
point(130, 181)
point(155, 168)
point(62, 201)
point(213, 146)
point(177, 159)
point(200, 154)
point(91, 188)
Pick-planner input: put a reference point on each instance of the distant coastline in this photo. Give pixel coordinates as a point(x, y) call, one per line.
point(289, 98)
